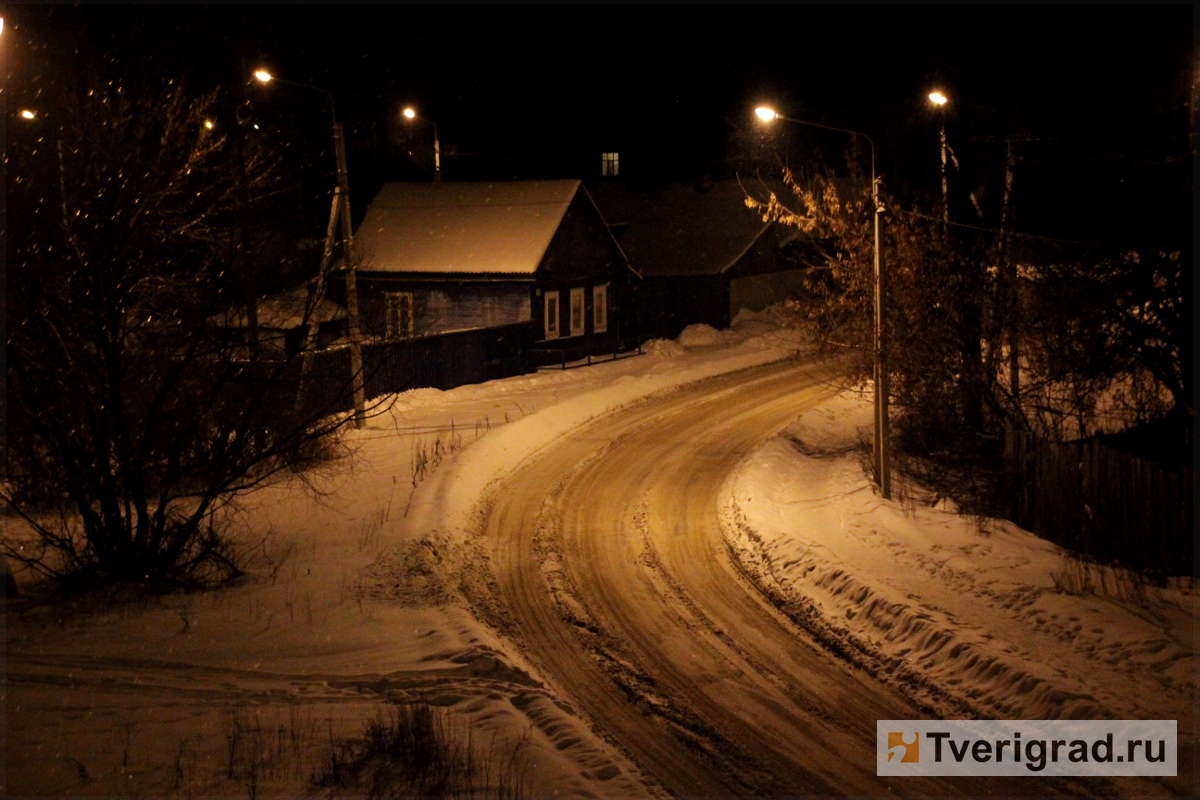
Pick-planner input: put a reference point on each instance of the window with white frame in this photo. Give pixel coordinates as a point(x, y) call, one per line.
point(551, 305)
point(609, 163)
point(600, 308)
point(577, 312)
point(398, 315)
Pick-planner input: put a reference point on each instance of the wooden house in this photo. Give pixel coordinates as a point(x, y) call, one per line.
point(438, 258)
point(702, 253)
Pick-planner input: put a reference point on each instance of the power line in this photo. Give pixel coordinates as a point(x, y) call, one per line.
point(1059, 240)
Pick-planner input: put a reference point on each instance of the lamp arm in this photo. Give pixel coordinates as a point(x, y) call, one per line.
point(870, 142)
point(326, 92)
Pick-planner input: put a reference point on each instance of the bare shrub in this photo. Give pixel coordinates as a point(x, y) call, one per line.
point(413, 750)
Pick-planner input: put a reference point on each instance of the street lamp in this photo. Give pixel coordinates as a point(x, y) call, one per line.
point(340, 207)
point(939, 101)
point(881, 450)
point(411, 114)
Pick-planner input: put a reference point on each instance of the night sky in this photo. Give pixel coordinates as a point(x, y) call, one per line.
point(1098, 95)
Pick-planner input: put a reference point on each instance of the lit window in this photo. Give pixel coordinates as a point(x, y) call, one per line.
point(398, 310)
point(608, 163)
point(577, 312)
point(551, 315)
point(600, 308)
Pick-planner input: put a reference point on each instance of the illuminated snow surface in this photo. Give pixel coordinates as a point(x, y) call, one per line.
point(970, 608)
point(362, 592)
point(354, 597)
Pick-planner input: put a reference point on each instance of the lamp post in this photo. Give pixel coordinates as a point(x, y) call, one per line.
point(411, 113)
point(939, 100)
point(882, 455)
point(341, 208)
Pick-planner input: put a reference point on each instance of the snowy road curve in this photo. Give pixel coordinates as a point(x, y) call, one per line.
point(607, 553)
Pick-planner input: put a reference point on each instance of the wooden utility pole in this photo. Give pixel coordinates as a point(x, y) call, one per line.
point(342, 199)
point(340, 208)
point(316, 295)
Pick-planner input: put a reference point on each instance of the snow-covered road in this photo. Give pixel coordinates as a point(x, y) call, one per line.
point(609, 559)
point(569, 557)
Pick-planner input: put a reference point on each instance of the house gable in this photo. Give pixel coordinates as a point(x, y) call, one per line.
point(446, 257)
point(582, 246)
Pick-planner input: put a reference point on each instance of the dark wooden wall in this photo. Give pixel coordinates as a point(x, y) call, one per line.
point(668, 305)
point(582, 247)
point(441, 307)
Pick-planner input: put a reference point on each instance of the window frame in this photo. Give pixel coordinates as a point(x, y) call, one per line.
point(600, 308)
point(610, 165)
point(391, 303)
point(551, 320)
point(581, 306)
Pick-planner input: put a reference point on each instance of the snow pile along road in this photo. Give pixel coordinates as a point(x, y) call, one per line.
point(451, 503)
point(364, 591)
point(971, 621)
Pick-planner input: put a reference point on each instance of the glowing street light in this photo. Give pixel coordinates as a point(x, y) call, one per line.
point(208, 124)
point(939, 100)
point(340, 209)
point(411, 113)
point(27, 113)
point(882, 457)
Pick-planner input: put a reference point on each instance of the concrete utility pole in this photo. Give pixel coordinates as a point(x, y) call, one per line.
point(945, 182)
point(939, 100)
point(883, 469)
point(410, 114)
point(882, 449)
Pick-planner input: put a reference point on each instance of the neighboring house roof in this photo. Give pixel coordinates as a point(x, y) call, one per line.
point(502, 227)
point(682, 229)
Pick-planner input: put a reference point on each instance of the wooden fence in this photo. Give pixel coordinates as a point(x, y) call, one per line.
point(1102, 503)
point(442, 361)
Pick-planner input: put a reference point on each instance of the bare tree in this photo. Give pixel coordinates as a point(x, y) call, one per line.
point(1092, 331)
point(923, 313)
point(134, 418)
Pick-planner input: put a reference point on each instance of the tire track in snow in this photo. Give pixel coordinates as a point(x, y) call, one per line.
point(677, 614)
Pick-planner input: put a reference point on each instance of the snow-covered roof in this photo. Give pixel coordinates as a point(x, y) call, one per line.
point(502, 227)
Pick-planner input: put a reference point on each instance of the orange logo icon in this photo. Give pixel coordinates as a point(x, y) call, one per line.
point(897, 745)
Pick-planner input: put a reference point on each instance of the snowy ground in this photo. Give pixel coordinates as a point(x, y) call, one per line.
point(357, 594)
point(974, 620)
point(361, 592)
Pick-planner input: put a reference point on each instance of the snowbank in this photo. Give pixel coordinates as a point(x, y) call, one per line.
point(360, 592)
point(449, 503)
point(699, 335)
point(970, 621)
